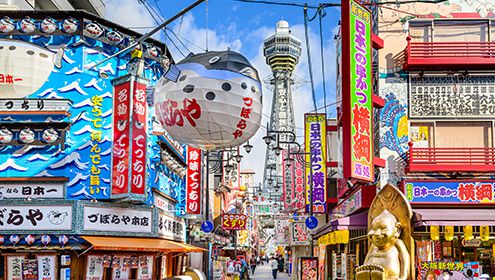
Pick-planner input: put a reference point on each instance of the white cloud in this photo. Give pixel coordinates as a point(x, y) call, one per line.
point(194, 37)
point(131, 14)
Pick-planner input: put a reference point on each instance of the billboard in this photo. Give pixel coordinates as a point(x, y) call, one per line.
point(234, 221)
point(193, 185)
point(357, 106)
point(40, 71)
point(459, 192)
point(139, 132)
point(293, 183)
point(316, 170)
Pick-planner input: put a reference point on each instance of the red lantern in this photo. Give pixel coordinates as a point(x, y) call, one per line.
point(29, 239)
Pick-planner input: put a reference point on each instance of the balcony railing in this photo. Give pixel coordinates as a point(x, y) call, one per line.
point(451, 159)
point(449, 55)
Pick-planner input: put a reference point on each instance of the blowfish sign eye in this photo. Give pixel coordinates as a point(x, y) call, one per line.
point(214, 104)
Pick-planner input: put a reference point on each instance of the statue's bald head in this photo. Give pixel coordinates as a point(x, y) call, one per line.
point(385, 229)
point(386, 216)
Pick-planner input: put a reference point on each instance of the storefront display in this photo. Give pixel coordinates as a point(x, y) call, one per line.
point(145, 269)
point(321, 261)
point(457, 259)
point(94, 267)
point(29, 269)
point(47, 266)
point(309, 268)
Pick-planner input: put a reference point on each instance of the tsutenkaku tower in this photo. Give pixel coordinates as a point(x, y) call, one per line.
point(282, 51)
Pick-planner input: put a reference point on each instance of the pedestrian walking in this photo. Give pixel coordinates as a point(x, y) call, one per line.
point(253, 265)
point(244, 270)
point(274, 265)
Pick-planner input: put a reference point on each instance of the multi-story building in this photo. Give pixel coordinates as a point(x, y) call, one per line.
point(96, 7)
point(437, 79)
point(90, 187)
point(433, 139)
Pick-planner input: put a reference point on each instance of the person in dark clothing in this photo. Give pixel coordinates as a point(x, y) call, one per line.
point(280, 264)
point(252, 263)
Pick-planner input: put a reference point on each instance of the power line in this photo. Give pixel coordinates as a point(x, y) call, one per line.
point(159, 9)
point(190, 42)
point(325, 5)
point(163, 29)
point(322, 13)
point(175, 35)
point(171, 41)
point(313, 94)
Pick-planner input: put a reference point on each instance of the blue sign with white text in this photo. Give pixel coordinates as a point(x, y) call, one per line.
point(462, 192)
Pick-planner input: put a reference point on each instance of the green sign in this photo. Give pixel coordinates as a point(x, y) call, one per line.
point(361, 93)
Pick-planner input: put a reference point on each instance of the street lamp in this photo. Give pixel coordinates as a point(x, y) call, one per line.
point(228, 167)
point(268, 139)
point(277, 150)
point(248, 147)
point(238, 158)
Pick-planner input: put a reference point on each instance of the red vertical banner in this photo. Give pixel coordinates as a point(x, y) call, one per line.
point(193, 189)
point(288, 180)
point(298, 182)
point(139, 127)
point(121, 134)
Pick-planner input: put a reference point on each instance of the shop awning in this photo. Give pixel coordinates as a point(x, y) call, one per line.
point(109, 243)
point(352, 222)
point(358, 221)
point(454, 217)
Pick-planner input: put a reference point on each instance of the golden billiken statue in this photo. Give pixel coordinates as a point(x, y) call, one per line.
point(389, 257)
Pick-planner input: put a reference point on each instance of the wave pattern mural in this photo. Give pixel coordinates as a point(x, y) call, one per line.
point(75, 80)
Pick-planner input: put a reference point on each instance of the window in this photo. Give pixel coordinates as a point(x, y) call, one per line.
point(451, 134)
point(450, 30)
point(463, 134)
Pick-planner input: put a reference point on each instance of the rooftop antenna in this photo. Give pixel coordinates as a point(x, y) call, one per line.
point(149, 34)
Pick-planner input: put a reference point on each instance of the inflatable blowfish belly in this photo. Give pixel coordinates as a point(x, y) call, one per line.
point(215, 102)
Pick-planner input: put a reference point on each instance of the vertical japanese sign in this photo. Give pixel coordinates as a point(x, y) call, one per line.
point(288, 180)
point(357, 104)
point(193, 195)
point(316, 174)
point(47, 267)
point(299, 182)
point(138, 132)
point(145, 270)
point(121, 134)
point(95, 182)
point(14, 267)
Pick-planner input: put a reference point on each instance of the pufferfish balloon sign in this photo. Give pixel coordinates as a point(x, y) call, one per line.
point(214, 104)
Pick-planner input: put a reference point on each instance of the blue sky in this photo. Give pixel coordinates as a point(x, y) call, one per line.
point(242, 27)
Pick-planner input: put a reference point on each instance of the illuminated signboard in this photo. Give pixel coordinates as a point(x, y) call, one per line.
point(461, 192)
point(316, 171)
point(234, 221)
point(48, 79)
point(193, 193)
point(357, 113)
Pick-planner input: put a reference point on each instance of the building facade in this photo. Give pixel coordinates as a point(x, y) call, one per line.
point(91, 187)
point(433, 139)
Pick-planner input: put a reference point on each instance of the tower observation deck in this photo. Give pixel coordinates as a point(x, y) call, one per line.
point(282, 52)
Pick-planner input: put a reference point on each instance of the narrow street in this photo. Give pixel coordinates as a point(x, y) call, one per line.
point(264, 272)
